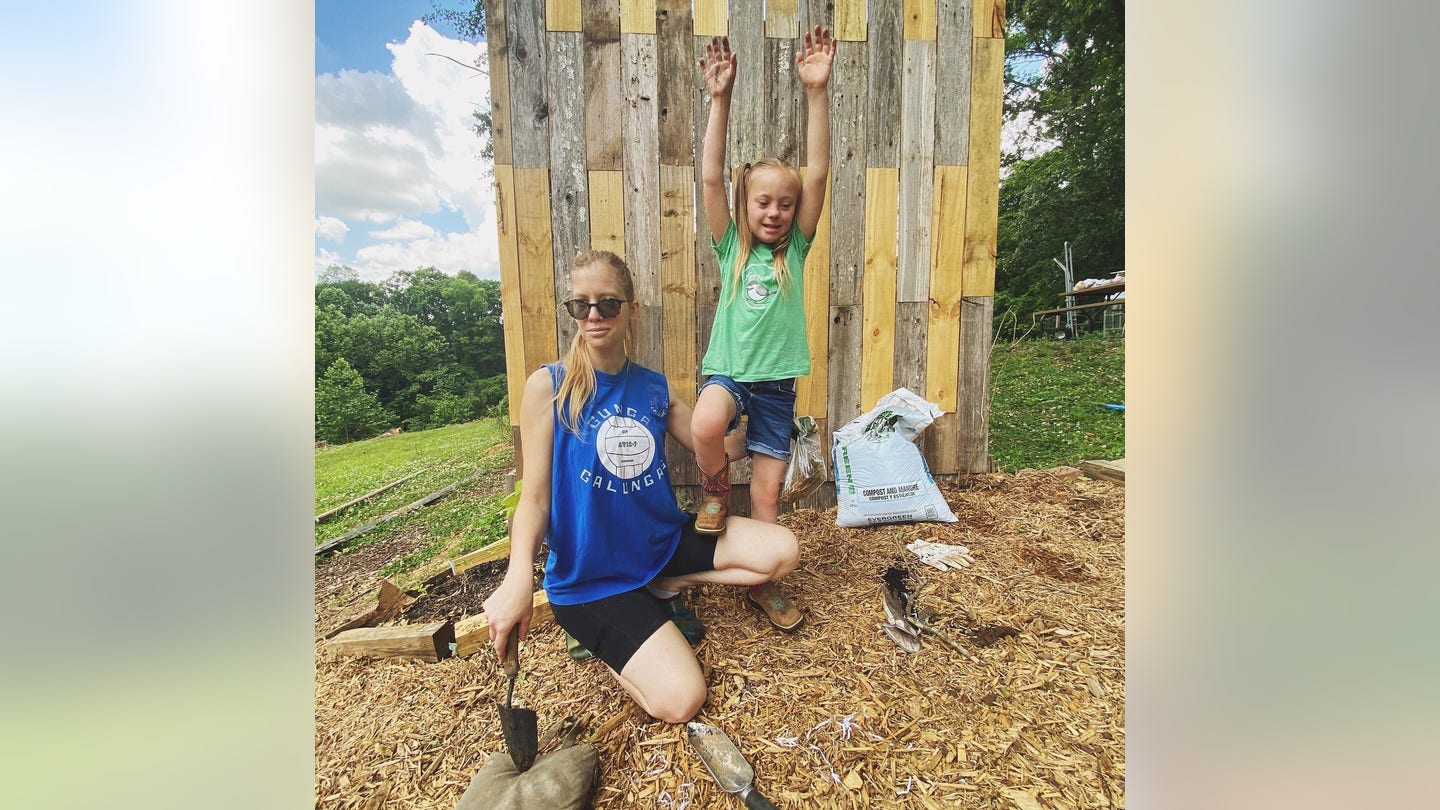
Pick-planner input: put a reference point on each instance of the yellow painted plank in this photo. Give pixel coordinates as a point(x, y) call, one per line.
point(677, 276)
point(562, 15)
point(920, 19)
point(812, 390)
point(990, 18)
point(637, 16)
point(947, 239)
point(782, 19)
point(607, 212)
point(982, 198)
point(709, 18)
point(850, 21)
point(515, 370)
point(877, 290)
point(537, 274)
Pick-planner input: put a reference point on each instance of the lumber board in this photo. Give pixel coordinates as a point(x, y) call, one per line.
point(326, 515)
point(942, 355)
point(782, 19)
point(883, 96)
point(674, 44)
point(920, 20)
point(537, 279)
point(782, 103)
point(569, 192)
point(911, 320)
point(390, 602)
point(812, 389)
point(683, 470)
point(917, 171)
point(877, 356)
point(391, 515)
point(498, 550)
point(848, 83)
point(472, 633)
point(990, 18)
point(607, 211)
point(637, 16)
point(642, 192)
point(511, 310)
point(709, 16)
point(604, 95)
point(562, 15)
point(952, 82)
point(707, 271)
point(817, 12)
point(427, 642)
point(940, 444)
point(497, 60)
point(850, 20)
point(677, 276)
point(983, 189)
point(843, 364)
point(748, 129)
point(529, 107)
point(972, 407)
point(1105, 470)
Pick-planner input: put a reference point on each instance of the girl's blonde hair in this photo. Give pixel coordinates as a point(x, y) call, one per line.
point(578, 386)
point(744, 239)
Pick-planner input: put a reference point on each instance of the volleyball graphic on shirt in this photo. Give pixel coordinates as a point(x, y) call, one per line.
point(625, 447)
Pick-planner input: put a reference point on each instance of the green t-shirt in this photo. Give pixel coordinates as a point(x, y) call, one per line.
point(759, 333)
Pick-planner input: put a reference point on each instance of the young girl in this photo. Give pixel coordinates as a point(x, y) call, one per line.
point(597, 487)
point(757, 345)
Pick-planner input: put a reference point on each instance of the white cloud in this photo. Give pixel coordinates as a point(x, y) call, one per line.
point(331, 228)
point(476, 251)
point(405, 229)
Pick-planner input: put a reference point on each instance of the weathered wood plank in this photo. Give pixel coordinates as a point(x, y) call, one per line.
point(569, 192)
point(983, 190)
point(472, 633)
point(677, 276)
point(390, 602)
point(707, 271)
point(710, 18)
point(883, 96)
point(848, 83)
point(537, 278)
point(911, 339)
point(529, 107)
point(427, 642)
point(843, 364)
point(952, 82)
point(642, 191)
point(637, 16)
point(850, 20)
point(920, 19)
point(877, 360)
point(604, 95)
point(607, 212)
point(1105, 470)
point(990, 18)
point(495, 551)
point(748, 129)
point(516, 369)
point(783, 103)
point(704, 322)
point(329, 513)
point(812, 389)
point(497, 57)
point(940, 444)
point(782, 19)
point(562, 15)
point(972, 410)
point(942, 355)
point(674, 46)
point(917, 171)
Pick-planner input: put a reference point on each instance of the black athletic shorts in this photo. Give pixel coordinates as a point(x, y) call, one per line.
point(613, 628)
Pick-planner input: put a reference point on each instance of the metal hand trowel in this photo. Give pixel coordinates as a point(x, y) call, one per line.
point(726, 764)
point(520, 726)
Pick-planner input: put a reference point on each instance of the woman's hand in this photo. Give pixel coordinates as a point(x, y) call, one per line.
point(815, 58)
point(511, 605)
point(719, 67)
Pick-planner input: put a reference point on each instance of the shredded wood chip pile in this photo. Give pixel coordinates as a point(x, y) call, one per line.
point(835, 715)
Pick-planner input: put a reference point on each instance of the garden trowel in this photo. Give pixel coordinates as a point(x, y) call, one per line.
point(519, 725)
point(725, 762)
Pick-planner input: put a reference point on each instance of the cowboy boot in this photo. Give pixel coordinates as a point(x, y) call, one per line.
point(715, 505)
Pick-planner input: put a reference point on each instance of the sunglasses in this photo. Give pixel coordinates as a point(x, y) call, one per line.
point(580, 310)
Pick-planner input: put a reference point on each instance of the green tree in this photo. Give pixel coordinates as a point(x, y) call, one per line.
point(344, 410)
point(1064, 178)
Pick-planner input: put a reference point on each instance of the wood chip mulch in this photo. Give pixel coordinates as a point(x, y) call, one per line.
point(833, 716)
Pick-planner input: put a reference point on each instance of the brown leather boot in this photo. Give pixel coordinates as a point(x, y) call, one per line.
point(716, 503)
point(781, 612)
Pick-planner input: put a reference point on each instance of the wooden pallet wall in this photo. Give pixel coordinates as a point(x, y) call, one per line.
point(599, 108)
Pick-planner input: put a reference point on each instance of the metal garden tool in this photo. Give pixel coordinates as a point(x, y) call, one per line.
point(520, 726)
point(726, 764)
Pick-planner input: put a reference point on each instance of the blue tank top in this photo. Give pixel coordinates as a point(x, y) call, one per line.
point(614, 522)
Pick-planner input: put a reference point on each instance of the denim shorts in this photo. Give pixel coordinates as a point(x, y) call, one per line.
point(770, 404)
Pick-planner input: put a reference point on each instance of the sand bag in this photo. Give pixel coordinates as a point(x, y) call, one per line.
point(562, 780)
point(880, 475)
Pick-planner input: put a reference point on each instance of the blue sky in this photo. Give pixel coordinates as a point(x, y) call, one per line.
point(398, 179)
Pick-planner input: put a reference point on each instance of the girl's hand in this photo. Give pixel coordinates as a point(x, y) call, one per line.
point(719, 67)
point(511, 605)
point(815, 58)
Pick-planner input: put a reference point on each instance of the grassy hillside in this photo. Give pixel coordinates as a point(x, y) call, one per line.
point(1047, 401)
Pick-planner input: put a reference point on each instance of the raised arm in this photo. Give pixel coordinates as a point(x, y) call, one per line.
point(813, 64)
point(511, 604)
point(719, 68)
